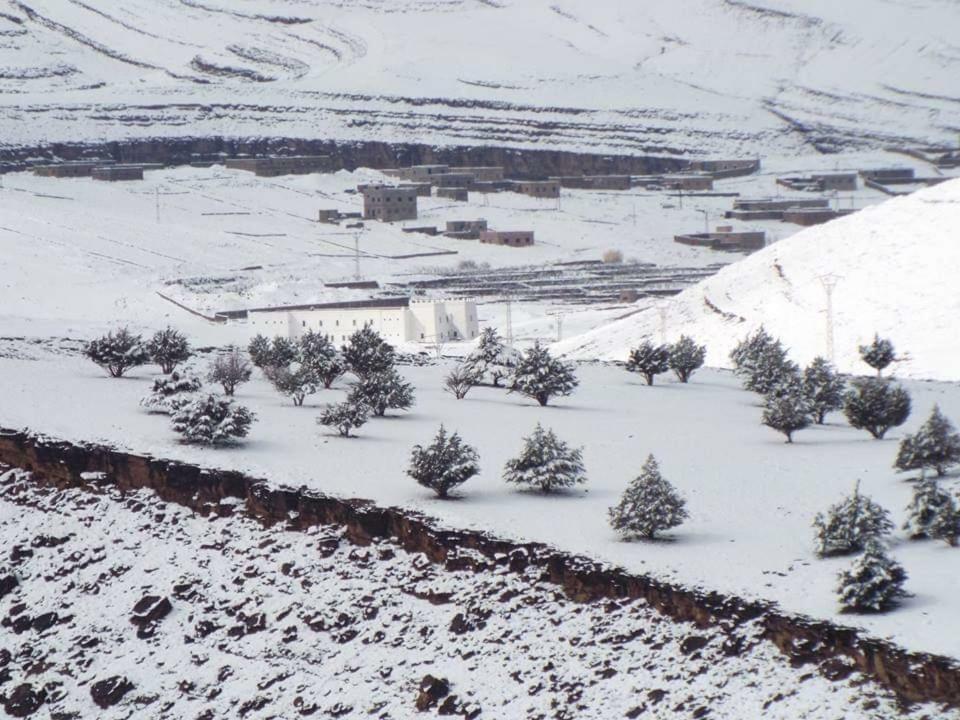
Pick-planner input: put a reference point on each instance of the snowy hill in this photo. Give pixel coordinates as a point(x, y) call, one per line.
point(894, 267)
point(699, 77)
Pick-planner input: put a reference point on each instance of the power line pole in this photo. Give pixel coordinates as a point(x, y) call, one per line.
point(356, 256)
point(509, 321)
point(829, 282)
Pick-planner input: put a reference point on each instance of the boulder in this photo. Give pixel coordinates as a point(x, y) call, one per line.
point(432, 691)
point(109, 692)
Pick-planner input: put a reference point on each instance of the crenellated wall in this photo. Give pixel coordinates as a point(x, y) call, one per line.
point(836, 650)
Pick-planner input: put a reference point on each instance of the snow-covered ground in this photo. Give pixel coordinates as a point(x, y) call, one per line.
point(893, 271)
point(266, 623)
point(752, 498)
point(701, 77)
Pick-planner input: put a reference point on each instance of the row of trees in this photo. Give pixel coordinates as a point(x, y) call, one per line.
point(794, 399)
point(547, 464)
point(534, 373)
point(684, 357)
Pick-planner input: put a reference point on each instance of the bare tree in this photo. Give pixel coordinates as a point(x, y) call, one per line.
point(229, 369)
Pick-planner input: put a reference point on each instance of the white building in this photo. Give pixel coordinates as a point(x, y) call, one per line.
point(396, 320)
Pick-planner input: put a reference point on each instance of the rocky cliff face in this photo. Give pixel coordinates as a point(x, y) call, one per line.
point(345, 155)
point(837, 650)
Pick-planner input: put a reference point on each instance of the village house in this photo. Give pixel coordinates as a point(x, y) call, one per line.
point(538, 188)
point(821, 182)
point(688, 181)
point(594, 182)
point(725, 238)
point(397, 320)
point(83, 168)
point(389, 204)
point(275, 166)
point(725, 168)
point(512, 238)
point(453, 193)
point(465, 229)
point(771, 208)
point(114, 173)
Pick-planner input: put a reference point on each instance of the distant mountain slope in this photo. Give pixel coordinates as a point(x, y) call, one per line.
point(895, 267)
point(698, 77)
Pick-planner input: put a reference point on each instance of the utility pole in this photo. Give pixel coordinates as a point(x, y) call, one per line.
point(509, 321)
point(829, 282)
point(634, 216)
point(559, 316)
point(706, 220)
point(158, 204)
point(356, 256)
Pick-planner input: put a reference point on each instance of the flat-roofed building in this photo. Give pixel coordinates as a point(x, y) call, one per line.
point(688, 181)
point(511, 238)
point(453, 193)
point(115, 173)
point(274, 166)
point(389, 204)
point(81, 168)
point(395, 319)
point(538, 188)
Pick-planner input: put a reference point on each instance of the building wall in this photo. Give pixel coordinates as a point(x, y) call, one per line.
point(421, 321)
point(512, 238)
point(841, 181)
point(689, 182)
point(539, 188)
point(117, 172)
point(453, 193)
point(389, 204)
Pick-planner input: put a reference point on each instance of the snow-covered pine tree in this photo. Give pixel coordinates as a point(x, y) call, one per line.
point(546, 463)
point(873, 583)
point(935, 445)
point(117, 352)
point(366, 352)
point(823, 388)
point(686, 357)
point(168, 348)
point(541, 376)
point(174, 387)
point(648, 505)
point(459, 381)
point(321, 356)
point(295, 381)
point(344, 416)
point(279, 352)
point(444, 464)
point(878, 354)
point(762, 362)
point(381, 391)
point(946, 523)
point(746, 352)
point(849, 524)
point(492, 358)
point(787, 411)
point(211, 420)
point(876, 405)
point(229, 369)
point(649, 360)
point(927, 502)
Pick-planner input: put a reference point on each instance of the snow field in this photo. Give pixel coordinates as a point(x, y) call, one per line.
point(752, 498)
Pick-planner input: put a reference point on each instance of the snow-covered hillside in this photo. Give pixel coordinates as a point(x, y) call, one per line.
point(699, 77)
point(894, 269)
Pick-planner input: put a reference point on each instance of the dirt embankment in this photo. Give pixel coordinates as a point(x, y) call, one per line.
point(837, 650)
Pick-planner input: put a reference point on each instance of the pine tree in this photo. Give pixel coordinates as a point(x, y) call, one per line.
point(117, 352)
point(878, 354)
point(873, 583)
point(927, 502)
point(366, 352)
point(461, 380)
point(648, 505)
point(259, 350)
point(935, 445)
point(823, 388)
point(295, 381)
point(322, 357)
point(787, 412)
point(541, 376)
point(492, 358)
point(546, 463)
point(945, 525)
point(344, 416)
point(849, 524)
point(686, 357)
point(876, 405)
point(168, 348)
point(762, 362)
point(649, 360)
point(229, 369)
point(211, 420)
point(168, 389)
point(444, 464)
point(381, 391)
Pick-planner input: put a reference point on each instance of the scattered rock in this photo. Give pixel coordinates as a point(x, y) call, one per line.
point(693, 643)
point(150, 609)
point(24, 701)
point(107, 693)
point(7, 585)
point(432, 690)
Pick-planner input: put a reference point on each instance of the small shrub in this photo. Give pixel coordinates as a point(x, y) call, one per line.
point(876, 405)
point(344, 416)
point(461, 380)
point(849, 524)
point(211, 420)
point(873, 583)
point(229, 369)
point(649, 505)
point(612, 257)
point(117, 352)
point(546, 463)
point(168, 348)
point(444, 464)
